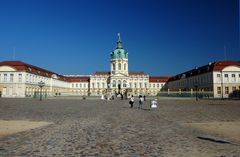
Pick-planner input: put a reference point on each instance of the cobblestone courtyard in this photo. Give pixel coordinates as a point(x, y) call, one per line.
point(111, 128)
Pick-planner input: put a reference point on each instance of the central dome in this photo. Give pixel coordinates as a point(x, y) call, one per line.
point(119, 52)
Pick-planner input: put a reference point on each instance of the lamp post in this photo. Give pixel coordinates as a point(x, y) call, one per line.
point(196, 87)
point(41, 84)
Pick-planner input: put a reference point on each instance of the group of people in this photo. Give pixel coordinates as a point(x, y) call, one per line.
point(141, 100)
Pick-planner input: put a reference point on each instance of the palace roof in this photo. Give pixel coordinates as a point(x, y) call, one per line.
point(102, 73)
point(78, 79)
point(137, 73)
point(22, 66)
point(158, 78)
point(108, 73)
point(215, 66)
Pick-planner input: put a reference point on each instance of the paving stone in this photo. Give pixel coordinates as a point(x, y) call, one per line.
point(111, 128)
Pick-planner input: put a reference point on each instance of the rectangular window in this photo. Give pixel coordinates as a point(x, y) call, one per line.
point(130, 84)
point(76, 85)
point(135, 84)
point(226, 77)
point(219, 90)
point(233, 78)
point(153, 85)
point(11, 77)
point(157, 85)
point(149, 85)
point(72, 85)
point(226, 90)
point(84, 85)
point(5, 78)
point(30, 80)
point(145, 84)
point(140, 85)
point(218, 77)
point(19, 77)
point(27, 78)
point(103, 85)
point(92, 85)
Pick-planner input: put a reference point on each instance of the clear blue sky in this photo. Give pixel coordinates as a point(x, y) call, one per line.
point(163, 37)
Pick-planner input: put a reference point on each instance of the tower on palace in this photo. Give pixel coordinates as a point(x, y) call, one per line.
point(19, 79)
point(119, 59)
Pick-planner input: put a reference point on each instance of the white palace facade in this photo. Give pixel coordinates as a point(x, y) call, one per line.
point(219, 78)
point(19, 79)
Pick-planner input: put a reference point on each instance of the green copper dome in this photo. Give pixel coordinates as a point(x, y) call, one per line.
point(119, 52)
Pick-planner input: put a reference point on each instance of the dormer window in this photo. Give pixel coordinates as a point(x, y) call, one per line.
point(29, 69)
point(54, 76)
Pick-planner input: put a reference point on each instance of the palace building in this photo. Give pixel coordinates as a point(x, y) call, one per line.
point(19, 79)
point(219, 78)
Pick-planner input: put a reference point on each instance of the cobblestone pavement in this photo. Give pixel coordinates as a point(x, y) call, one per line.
point(111, 128)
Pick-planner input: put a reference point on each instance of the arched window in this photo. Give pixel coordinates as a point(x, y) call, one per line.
point(98, 85)
point(114, 83)
point(125, 66)
point(124, 83)
point(103, 85)
point(114, 68)
point(119, 83)
point(119, 66)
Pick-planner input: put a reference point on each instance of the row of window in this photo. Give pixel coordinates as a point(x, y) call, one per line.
point(79, 85)
point(119, 66)
point(131, 85)
point(219, 90)
point(131, 79)
point(30, 78)
point(10, 78)
point(34, 79)
point(193, 81)
point(226, 77)
point(98, 85)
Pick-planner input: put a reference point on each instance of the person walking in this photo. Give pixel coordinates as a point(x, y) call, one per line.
point(121, 96)
point(140, 102)
point(131, 101)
